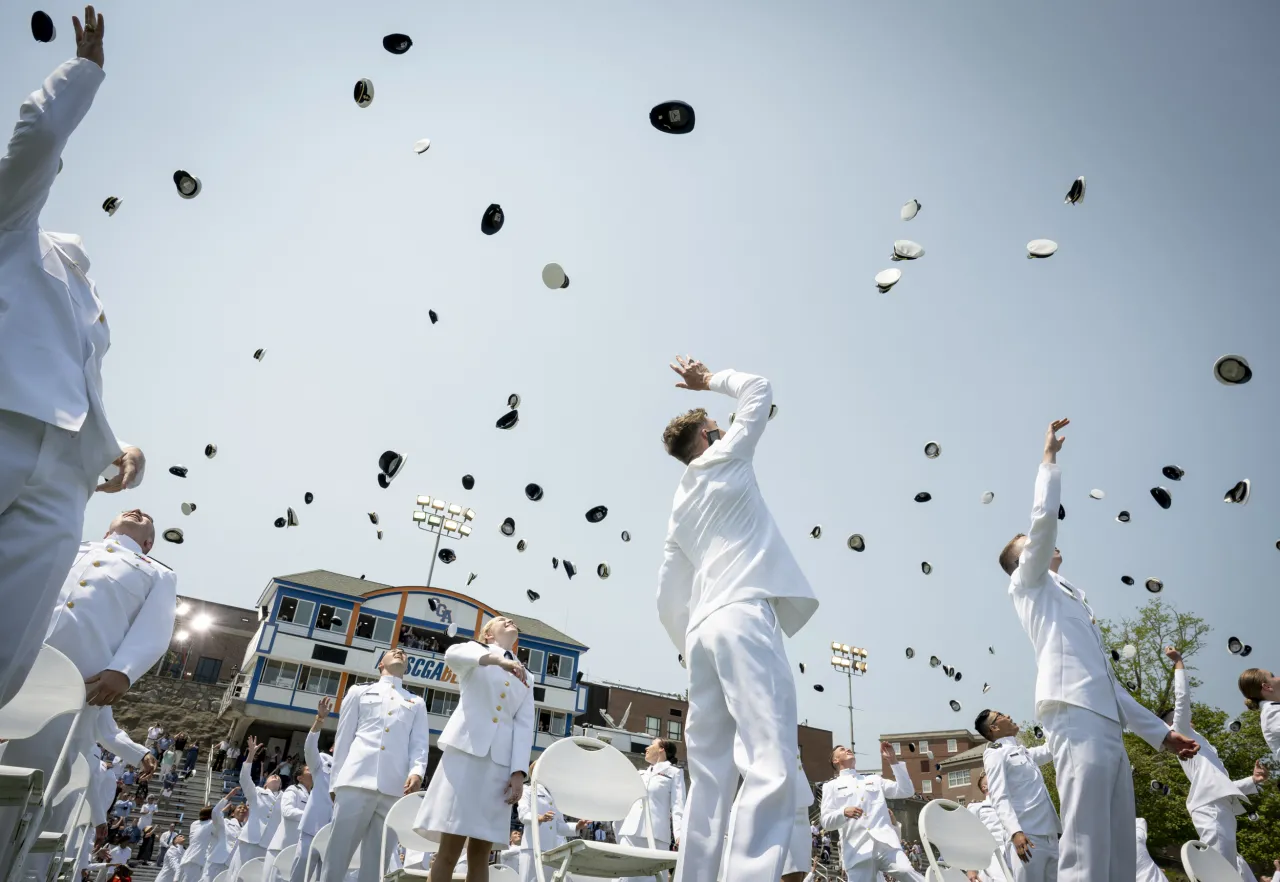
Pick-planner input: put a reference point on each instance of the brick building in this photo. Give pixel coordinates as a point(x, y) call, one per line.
point(949, 772)
point(209, 642)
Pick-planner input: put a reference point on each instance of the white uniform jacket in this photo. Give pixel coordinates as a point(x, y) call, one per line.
point(1205, 771)
point(226, 832)
point(1016, 788)
point(494, 716)
point(200, 836)
point(319, 808)
point(383, 738)
point(1073, 665)
point(1269, 717)
point(722, 543)
point(858, 836)
point(101, 790)
point(113, 738)
point(986, 813)
point(665, 786)
point(172, 860)
point(264, 810)
point(116, 609)
point(550, 833)
point(293, 805)
point(54, 332)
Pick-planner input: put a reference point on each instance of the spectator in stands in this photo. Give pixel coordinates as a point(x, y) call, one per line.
point(284, 770)
point(220, 755)
point(170, 781)
point(180, 742)
point(130, 776)
point(164, 742)
point(146, 849)
point(233, 757)
point(119, 853)
point(122, 808)
point(146, 811)
point(167, 761)
point(166, 840)
point(193, 753)
point(132, 832)
point(153, 735)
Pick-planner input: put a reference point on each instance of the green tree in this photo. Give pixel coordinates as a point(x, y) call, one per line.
point(1148, 674)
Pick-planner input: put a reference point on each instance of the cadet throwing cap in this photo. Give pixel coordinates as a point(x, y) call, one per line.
point(905, 249)
point(397, 44)
point(555, 563)
point(532, 492)
point(553, 276)
point(1076, 194)
point(987, 497)
point(856, 542)
point(111, 205)
point(508, 527)
point(816, 532)
point(468, 482)
point(1161, 496)
point(886, 279)
point(521, 546)
point(452, 630)
point(447, 556)
point(1234, 645)
point(492, 219)
point(1037, 731)
point(934, 661)
point(291, 518)
point(817, 687)
point(431, 314)
point(308, 497)
point(422, 146)
point(1155, 586)
point(1172, 472)
point(379, 535)
point(926, 567)
point(513, 401)
point(626, 537)
point(933, 450)
point(597, 514)
point(532, 595)
point(1123, 517)
point(1128, 651)
point(602, 570)
point(673, 117)
point(42, 27)
point(1041, 248)
point(280, 522)
point(258, 354)
point(509, 419)
point(363, 92)
point(986, 687)
point(174, 535)
point(911, 653)
point(391, 463)
point(569, 569)
point(923, 496)
point(1246, 650)
point(178, 471)
point(1238, 494)
point(955, 705)
point(211, 450)
point(188, 507)
point(1097, 494)
point(1234, 726)
point(373, 518)
point(471, 577)
point(910, 210)
point(1062, 512)
point(1232, 370)
point(188, 185)
point(1128, 580)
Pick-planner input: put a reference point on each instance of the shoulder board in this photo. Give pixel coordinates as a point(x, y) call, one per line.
point(157, 563)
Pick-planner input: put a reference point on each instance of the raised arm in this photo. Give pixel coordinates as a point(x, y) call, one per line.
point(675, 589)
point(1042, 536)
point(902, 786)
point(1181, 693)
point(311, 746)
point(113, 738)
point(1150, 728)
point(755, 396)
point(1040, 754)
point(246, 774)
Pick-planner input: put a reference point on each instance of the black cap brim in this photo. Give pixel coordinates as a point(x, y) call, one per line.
point(508, 420)
point(42, 27)
point(397, 44)
point(597, 514)
point(492, 219)
point(673, 117)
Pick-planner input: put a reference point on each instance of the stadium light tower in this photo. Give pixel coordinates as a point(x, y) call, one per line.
point(434, 515)
point(852, 662)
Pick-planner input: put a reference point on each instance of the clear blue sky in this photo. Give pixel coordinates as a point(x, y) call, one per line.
point(750, 243)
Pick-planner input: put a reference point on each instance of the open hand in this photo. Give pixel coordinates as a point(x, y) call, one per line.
point(89, 36)
point(105, 687)
point(252, 747)
point(1052, 443)
point(694, 374)
point(515, 787)
point(130, 463)
point(1260, 773)
point(323, 706)
point(1023, 846)
point(412, 784)
point(886, 753)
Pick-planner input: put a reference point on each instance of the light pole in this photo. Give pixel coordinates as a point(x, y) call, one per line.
point(850, 661)
point(434, 515)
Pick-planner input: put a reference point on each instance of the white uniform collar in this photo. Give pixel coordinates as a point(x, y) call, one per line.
point(1008, 741)
point(125, 541)
point(852, 773)
point(394, 681)
point(659, 766)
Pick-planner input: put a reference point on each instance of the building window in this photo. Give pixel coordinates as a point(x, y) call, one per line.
point(924, 765)
point(318, 680)
point(958, 779)
point(652, 727)
point(951, 745)
point(441, 702)
point(296, 611)
point(926, 786)
point(531, 659)
point(207, 670)
point(924, 748)
point(360, 680)
point(330, 619)
point(278, 673)
point(559, 665)
point(673, 730)
point(375, 628)
point(897, 748)
point(551, 723)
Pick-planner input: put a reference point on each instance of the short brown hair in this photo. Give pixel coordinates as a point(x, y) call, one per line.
point(1251, 683)
point(1009, 556)
point(681, 434)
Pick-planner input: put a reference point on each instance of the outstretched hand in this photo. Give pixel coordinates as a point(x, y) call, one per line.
point(1052, 443)
point(694, 374)
point(89, 36)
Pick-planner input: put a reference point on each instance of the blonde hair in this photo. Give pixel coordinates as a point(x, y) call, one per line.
point(1010, 553)
point(681, 434)
point(486, 632)
point(1251, 683)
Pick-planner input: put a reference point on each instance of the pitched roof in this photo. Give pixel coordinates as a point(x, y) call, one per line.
point(539, 628)
point(973, 753)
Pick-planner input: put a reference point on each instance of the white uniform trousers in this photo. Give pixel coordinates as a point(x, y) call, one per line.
point(739, 683)
point(890, 860)
point(640, 841)
point(190, 872)
point(211, 870)
point(44, 487)
point(1095, 784)
point(358, 818)
point(298, 872)
point(244, 852)
point(1043, 866)
point(1216, 824)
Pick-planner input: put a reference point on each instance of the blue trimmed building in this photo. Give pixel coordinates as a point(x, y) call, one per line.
point(319, 633)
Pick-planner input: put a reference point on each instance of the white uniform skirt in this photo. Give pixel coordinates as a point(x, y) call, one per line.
point(466, 797)
point(800, 852)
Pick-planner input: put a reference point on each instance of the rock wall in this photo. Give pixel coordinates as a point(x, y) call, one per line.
point(177, 705)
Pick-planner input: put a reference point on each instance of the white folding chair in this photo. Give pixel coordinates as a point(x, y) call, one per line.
point(400, 822)
point(54, 843)
point(283, 864)
point(591, 779)
point(1203, 864)
point(946, 874)
point(223, 876)
point(963, 840)
point(499, 873)
point(53, 688)
point(320, 848)
point(251, 871)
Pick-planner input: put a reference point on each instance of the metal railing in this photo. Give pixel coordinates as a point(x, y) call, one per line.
point(236, 690)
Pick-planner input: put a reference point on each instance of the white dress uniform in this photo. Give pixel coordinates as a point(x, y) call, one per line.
point(1080, 705)
point(1016, 790)
point(319, 808)
point(1269, 717)
point(1147, 869)
point(383, 738)
point(800, 854)
point(869, 845)
point(222, 846)
point(664, 783)
point(54, 437)
point(488, 738)
point(259, 828)
point(728, 589)
point(293, 804)
point(1213, 799)
point(170, 865)
point(115, 611)
point(199, 838)
point(986, 813)
point(550, 833)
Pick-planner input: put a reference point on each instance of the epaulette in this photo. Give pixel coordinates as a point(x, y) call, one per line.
point(158, 563)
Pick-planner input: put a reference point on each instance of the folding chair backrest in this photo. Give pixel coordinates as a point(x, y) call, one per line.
point(589, 779)
point(222, 877)
point(18, 786)
point(499, 873)
point(53, 688)
point(319, 845)
point(400, 821)
point(76, 783)
point(284, 862)
point(958, 834)
point(1203, 864)
point(251, 871)
point(946, 874)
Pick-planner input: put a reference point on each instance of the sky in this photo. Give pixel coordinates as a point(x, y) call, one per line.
point(749, 243)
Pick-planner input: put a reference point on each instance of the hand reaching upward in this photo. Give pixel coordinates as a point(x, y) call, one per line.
point(1052, 443)
point(89, 36)
point(694, 374)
